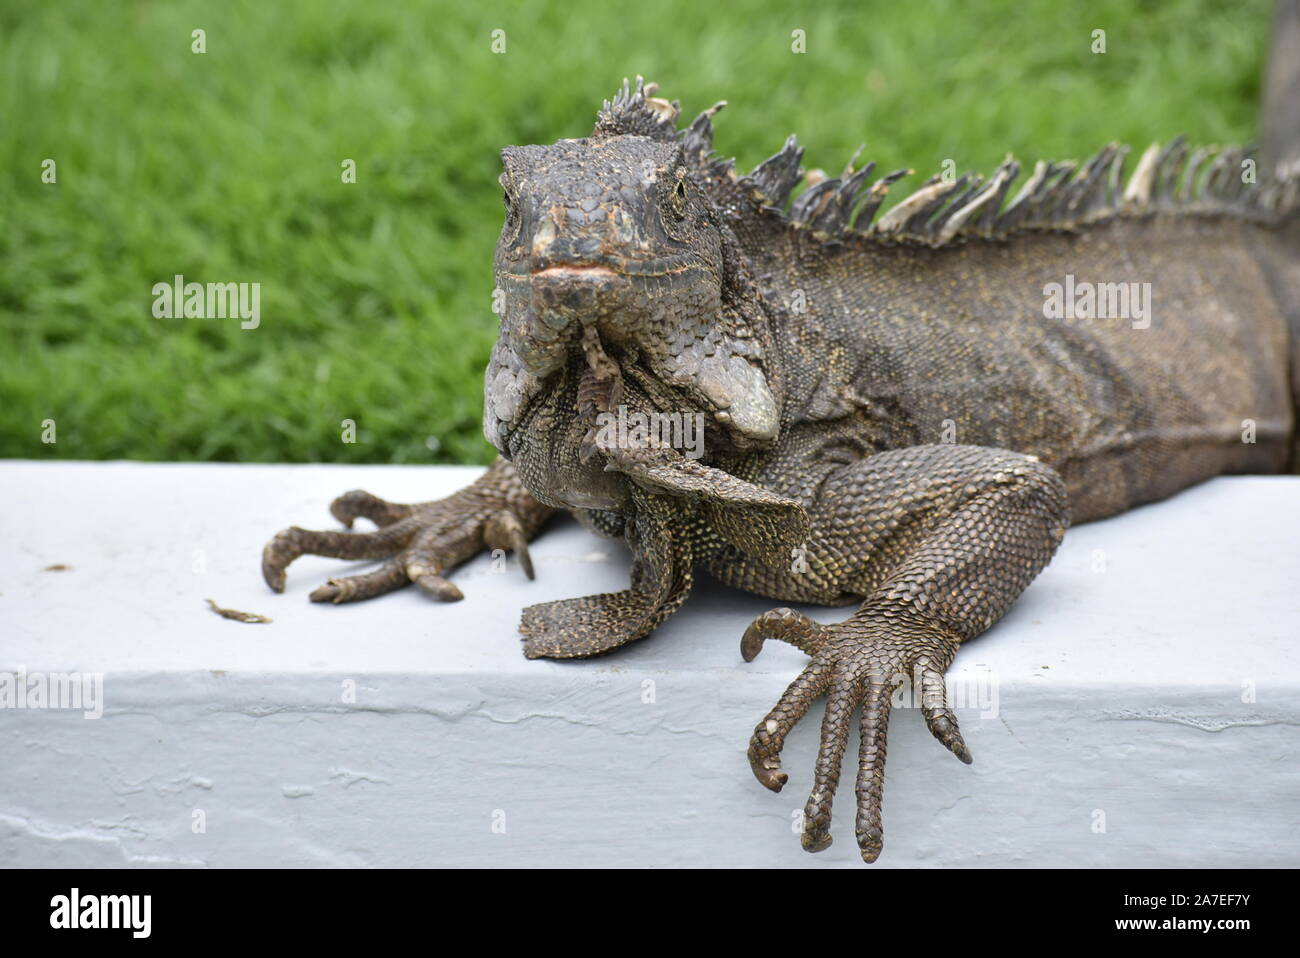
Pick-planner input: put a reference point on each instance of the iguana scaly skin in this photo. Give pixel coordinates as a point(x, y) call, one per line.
point(890, 416)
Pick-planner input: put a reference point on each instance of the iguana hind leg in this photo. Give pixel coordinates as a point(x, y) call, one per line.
point(420, 542)
point(942, 540)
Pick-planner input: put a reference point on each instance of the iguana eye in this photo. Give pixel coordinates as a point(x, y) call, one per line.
point(510, 228)
point(679, 197)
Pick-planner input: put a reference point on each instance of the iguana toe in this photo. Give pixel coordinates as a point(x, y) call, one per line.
point(419, 542)
point(857, 665)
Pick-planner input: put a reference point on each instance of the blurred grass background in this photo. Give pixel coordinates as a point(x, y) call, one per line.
point(225, 167)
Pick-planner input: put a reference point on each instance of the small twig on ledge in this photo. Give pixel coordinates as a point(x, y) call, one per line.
point(236, 614)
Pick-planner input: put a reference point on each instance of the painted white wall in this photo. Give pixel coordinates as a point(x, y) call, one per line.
point(1119, 682)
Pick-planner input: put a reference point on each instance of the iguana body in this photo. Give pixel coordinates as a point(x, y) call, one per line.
point(891, 414)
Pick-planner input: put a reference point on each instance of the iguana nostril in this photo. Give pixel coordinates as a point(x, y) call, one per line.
point(544, 237)
point(624, 228)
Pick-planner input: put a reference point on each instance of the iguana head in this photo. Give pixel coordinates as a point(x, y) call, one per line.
point(617, 284)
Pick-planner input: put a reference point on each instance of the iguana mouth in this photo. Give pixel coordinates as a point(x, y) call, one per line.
point(576, 271)
point(677, 268)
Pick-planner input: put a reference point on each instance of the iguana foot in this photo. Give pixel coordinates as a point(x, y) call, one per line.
point(420, 542)
point(857, 663)
point(593, 624)
point(662, 575)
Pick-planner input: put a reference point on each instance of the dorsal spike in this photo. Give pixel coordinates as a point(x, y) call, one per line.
point(1169, 164)
point(1138, 191)
point(697, 139)
point(929, 216)
point(776, 176)
point(963, 191)
point(848, 167)
point(898, 218)
point(1097, 196)
point(1041, 195)
point(813, 202)
point(1017, 212)
point(962, 211)
point(1238, 188)
point(1006, 175)
point(637, 111)
point(1189, 190)
point(1089, 183)
point(828, 206)
point(876, 196)
point(1048, 201)
point(1213, 182)
point(960, 203)
point(721, 167)
point(1115, 177)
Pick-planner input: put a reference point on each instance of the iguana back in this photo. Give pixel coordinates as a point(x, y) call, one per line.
point(980, 342)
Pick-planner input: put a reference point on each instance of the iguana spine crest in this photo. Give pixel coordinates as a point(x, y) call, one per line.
point(1057, 195)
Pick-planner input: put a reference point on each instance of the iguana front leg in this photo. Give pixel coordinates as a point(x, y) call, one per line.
point(419, 542)
point(940, 540)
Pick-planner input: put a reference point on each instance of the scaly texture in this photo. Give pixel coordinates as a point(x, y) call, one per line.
point(886, 411)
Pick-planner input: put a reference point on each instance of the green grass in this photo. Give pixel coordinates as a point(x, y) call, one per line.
point(375, 303)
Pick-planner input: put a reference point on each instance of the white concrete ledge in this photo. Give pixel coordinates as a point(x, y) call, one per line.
point(1147, 698)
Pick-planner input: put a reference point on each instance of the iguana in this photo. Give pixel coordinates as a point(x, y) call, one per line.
point(892, 414)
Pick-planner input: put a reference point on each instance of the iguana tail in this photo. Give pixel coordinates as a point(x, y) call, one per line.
point(1280, 114)
point(1279, 155)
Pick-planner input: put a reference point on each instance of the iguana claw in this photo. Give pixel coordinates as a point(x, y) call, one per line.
point(419, 542)
point(856, 664)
